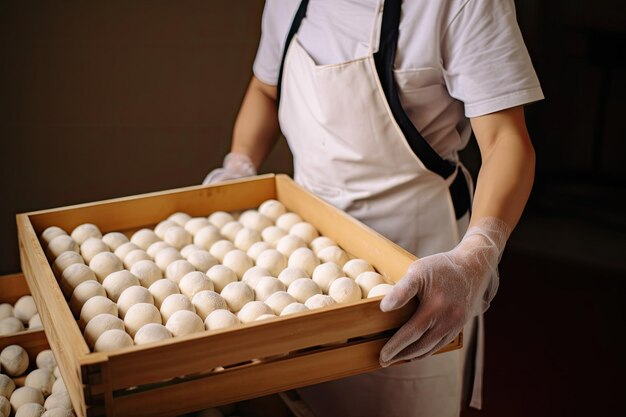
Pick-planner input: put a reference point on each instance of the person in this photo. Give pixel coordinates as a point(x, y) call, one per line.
point(375, 100)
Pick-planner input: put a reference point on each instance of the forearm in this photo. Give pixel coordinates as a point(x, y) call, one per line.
point(256, 127)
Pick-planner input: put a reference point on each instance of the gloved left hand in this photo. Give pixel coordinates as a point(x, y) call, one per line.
point(452, 287)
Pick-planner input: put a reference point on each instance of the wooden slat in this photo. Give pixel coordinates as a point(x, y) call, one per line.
point(12, 287)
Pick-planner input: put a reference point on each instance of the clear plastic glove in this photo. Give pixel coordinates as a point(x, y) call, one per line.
point(236, 165)
point(452, 287)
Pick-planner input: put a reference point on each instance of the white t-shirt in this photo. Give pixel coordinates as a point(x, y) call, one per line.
point(455, 58)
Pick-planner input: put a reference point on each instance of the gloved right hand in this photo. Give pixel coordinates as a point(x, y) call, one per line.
point(236, 165)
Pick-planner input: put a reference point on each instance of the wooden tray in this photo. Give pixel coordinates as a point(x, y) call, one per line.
point(179, 375)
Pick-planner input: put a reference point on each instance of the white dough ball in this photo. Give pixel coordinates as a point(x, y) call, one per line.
point(287, 220)
point(290, 274)
point(207, 301)
point(41, 379)
point(319, 301)
point(25, 308)
point(105, 263)
point(187, 250)
point(255, 220)
point(5, 405)
point(111, 340)
point(150, 333)
point(114, 240)
point(162, 227)
point(178, 269)
point(255, 250)
point(6, 310)
point(135, 256)
point(194, 282)
point(230, 229)
point(367, 280)
point(246, 237)
point(10, 325)
point(114, 284)
point(14, 360)
point(220, 218)
point(325, 274)
point(302, 289)
point(154, 248)
point(267, 316)
point(84, 292)
point(177, 237)
point(183, 322)
point(60, 244)
point(124, 249)
point(25, 395)
point(35, 322)
point(91, 247)
point(174, 303)
point(161, 289)
point(273, 261)
point(94, 306)
point(354, 267)
point(344, 290)
point(272, 235)
point(279, 300)
point(221, 276)
point(238, 261)
point(144, 238)
point(333, 254)
point(237, 294)
point(294, 308)
point(202, 260)
point(220, 319)
point(57, 372)
point(59, 385)
point(320, 243)
point(59, 399)
point(305, 231)
point(7, 386)
point(140, 314)
point(64, 260)
point(267, 286)
point(74, 275)
point(193, 225)
point(305, 259)
point(252, 310)
point(289, 243)
point(207, 236)
point(166, 256)
point(46, 360)
point(380, 289)
point(30, 410)
point(180, 218)
point(253, 275)
point(83, 232)
point(131, 296)
point(50, 233)
point(272, 209)
point(100, 324)
point(220, 248)
point(58, 412)
point(147, 272)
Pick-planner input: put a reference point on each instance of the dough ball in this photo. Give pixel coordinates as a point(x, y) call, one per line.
point(96, 305)
point(144, 238)
point(320, 243)
point(162, 227)
point(207, 301)
point(7, 386)
point(279, 300)
point(305, 231)
point(344, 290)
point(114, 240)
point(5, 405)
point(380, 289)
point(6, 310)
point(58, 412)
point(156, 247)
point(253, 275)
point(178, 269)
point(73, 276)
point(319, 301)
point(174, 303)
point(59, 399)
point(207, 236)
point(325, 274)
point(194, 282)
point(150, 333)
point(289, 243)
point(333, 254)
point(140, 314)
point(294, 308)
point(302, 289)
point(30, 410)
point(46, 360)
point(220, 319)
point(100, 324)
point(83, 292)
point(91, 247)
point(14, 360)
point(255, 220)
point(237, 294)
point(183, 322)
point(272, 209)
point(64, 260)
point(59, 385)
point(35, 322)
point(220, 218)
point(267, 286)
point(11, 325)
point(272, 235)
point(238, 261)
point(202, 260)
point(147, 272)
point(252, 310)
point(354, 267)
point(166, 256)
point(41, 379)
point(60, 244)
point(287, 220)
point(255, 250)
point(193, 225)
point(245, 238)
point(161, 289)
point(50, 233)
point(25, 395)
point(221, 276)
point(114, 284)
point(230, 229)
point(177, 237)
point(109, 341)
point(83, 232)
point(135, 256)
point(273, 261)
point(220, 248)
point(124, 249)
point(187, 250)
point(180, 218)
point(367, 280)
point(131, 296)
point(105, 263)
point(305, 259)
point(25, 308)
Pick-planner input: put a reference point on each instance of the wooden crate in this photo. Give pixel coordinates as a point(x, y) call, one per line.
point(179, 375)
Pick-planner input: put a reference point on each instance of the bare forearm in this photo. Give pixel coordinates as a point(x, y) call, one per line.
point(256, 126)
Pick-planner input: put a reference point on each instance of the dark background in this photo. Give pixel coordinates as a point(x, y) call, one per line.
point(108, 99)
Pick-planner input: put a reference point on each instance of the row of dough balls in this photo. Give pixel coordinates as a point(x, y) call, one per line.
point(280, 283)
point(19, 317)
point(43, 394)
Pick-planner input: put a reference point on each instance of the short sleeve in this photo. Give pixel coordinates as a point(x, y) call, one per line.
point(486, 63)
point(277, 17)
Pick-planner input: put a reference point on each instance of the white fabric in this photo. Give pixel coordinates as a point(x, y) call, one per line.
point(455, 58)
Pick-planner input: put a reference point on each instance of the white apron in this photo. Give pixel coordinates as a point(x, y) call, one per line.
point(349, 149)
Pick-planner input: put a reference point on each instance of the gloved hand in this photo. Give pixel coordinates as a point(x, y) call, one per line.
point(452, 287)
point(236, 165)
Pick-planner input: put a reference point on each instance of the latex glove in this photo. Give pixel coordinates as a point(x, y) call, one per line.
point(452, 287)
point(236, 165)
